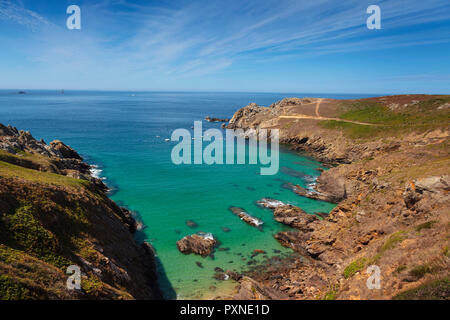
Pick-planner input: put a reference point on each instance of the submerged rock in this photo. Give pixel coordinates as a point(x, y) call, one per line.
point(191, 224)
point(255, 222)
point(296, 174)
point(221, 276)
point(201, 243)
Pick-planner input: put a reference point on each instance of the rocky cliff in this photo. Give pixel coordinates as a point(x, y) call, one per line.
point(389, 176)
point(54, 214)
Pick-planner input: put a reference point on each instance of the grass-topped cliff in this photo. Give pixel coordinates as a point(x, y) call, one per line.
point(53, 214)
point(389, 175)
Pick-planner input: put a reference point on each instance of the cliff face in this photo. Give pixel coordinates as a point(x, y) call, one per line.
point(54, 214)
point(390, 179)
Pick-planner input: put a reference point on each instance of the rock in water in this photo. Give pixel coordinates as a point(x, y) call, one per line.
point(209, 119)
point(246, 217)
point(270, 203)
point(201, 243)
point(295, 217)
point(191, 224)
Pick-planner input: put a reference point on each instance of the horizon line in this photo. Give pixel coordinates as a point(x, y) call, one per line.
point(217, 91)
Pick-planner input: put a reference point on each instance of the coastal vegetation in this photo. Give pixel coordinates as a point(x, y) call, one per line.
point(50, 220)
point(390, 120)
point(389, 175)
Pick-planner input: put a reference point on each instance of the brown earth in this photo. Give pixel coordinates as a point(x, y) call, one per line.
point(390, 179)
point(54, 214)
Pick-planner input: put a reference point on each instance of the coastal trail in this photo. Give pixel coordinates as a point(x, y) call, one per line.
point(319, 117)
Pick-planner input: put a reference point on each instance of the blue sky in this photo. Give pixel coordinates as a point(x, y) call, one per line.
point(318, 46)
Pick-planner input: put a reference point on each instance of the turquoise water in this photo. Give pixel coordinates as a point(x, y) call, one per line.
point(124, 134)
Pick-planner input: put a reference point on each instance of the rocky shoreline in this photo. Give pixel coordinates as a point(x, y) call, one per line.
point(385, 191)
point(98, 235)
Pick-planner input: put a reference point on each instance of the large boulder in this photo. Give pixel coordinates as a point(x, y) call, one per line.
point(201, 243)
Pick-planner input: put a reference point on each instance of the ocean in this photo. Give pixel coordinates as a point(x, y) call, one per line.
point(125, 135)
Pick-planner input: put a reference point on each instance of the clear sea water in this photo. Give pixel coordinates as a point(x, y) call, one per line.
point(124, 134)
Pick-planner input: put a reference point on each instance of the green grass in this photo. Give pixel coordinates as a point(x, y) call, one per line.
point(372, 112)
point(354, 267)
point(421, 270)
point(9, 170)
point(24, 232)
point(392, 241)
point(355, 131)
point(332, 293)
point(401, 268)
point(10, 289)
point(360, 263)
point(426, 225)
point(433, 290)
point(420, 117)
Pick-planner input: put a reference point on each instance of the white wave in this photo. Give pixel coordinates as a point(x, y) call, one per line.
point(207, 236)
point(274, 203)
point(96, 172)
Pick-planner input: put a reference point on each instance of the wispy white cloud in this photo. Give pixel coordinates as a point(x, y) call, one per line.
point(15, 11)
point(175, 39)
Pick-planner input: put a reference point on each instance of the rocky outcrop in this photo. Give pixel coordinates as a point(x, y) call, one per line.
point(246, 116)
point(289, 215)
point(313, 194)
point(295, 217)
point(53, 214)
point(58, 157)
point(212, 119)
point(270, 203)
point(252, 290)
point(64, 150)
point(247, 218)
point(392, 196)
point(201, 243)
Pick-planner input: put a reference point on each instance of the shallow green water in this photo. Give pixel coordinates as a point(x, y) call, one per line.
point(124, 133)
point(204, 194)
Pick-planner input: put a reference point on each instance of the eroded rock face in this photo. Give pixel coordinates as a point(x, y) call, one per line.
point(246, 116)
point(313, 194)
point(65, 151)
point(202, 244)
point(377, 217)
point(288, 214)
point(295, 217)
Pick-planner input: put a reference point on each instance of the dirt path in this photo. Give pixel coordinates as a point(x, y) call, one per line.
point(319, 117)
point(303, 116)
point(317, 107)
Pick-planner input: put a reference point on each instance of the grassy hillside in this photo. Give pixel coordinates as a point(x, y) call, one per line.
point(391, 119)
point(49, 221)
